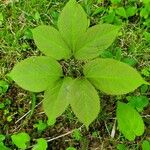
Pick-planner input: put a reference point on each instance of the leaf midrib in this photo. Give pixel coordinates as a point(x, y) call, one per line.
point(94, 39)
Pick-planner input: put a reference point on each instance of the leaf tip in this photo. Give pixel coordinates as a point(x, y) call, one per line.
point(51, 122)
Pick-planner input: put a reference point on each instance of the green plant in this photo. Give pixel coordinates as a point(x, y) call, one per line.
point(77, 135)
point(72, 70)
point(41, 144)
point(130, 123)
point(138, 102)
point(145, 145)
point(41, 126)
point(21, 140)
point(121, 147)
point(3, 86)
point(1, 18)
point(2, 145)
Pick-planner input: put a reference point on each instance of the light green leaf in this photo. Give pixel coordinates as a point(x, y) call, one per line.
point(41, 144)
point(144, 12)
point(130, 123)
point(146, 145)
point(131, 11)
point(2, 137)
point(36, 73)
point(1, 17)
point(21, 140)
point(121, 12)
point(72, 23)
point(3, 147)
point(85, 101)
point(96, 39)
point(145, 1)
point(3, 86)
point(138, 102)
point(49, 41)
point(56, 99)
point(41, 126)
point(113, 77)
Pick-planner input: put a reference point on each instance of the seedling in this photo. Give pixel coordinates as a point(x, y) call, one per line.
point(21, 140)
point(41, 144)
point(72, 71)
point(41, 126)
point(3, 87)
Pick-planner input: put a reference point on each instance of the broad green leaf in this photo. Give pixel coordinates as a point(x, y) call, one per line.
point(146, 145)
point(41, 144)
point(56, 99)
point(85, 101)
point(36, 73)
point(113, 77)
point(49, 41)
point(21, 140)
point(72, 23)
point(130, 123)
point(96, 39)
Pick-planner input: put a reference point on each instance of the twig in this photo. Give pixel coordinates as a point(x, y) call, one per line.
point(60, 136)
point(27, 113)
point(107, 128)
point(146, 116)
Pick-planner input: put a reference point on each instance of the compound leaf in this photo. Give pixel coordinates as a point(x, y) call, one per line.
point(130, 123)
point(72, 23)
point(85, 101)
point(96, 39)
point(36, 73)
point(56, 98)
point(113, 77)
point(49, 41)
